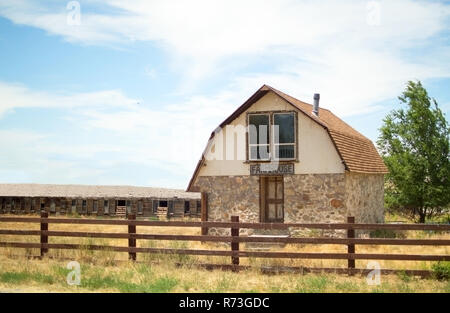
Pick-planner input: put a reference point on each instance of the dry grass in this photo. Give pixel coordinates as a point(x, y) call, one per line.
point(49, 275)
point(111, 272)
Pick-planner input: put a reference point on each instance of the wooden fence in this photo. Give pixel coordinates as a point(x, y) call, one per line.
point(235, 253)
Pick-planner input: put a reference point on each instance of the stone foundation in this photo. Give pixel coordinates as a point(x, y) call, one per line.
point(308, 198)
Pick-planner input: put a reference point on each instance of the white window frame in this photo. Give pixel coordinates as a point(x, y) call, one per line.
point(284, 144)
point(271, 136)
point(259, 144)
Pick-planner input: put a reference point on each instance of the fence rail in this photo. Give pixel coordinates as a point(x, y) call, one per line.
point(234, 239)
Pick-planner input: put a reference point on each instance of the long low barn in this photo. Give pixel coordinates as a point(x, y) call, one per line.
point(98, 200)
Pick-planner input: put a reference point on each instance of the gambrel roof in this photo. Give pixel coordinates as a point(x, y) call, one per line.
point(357, 152)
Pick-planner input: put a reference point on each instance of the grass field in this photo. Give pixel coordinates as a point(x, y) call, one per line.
point(104, 271)
point(50, 276)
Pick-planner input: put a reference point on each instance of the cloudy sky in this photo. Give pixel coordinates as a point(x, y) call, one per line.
point(127, 92)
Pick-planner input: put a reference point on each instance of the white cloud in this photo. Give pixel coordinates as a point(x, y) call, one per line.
point(151, 73)
point(105, 132)
point(14, 96)
point(305, 47)
point(327, 47)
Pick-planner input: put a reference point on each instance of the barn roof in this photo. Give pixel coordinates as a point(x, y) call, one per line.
point(93, 191)
point(357, 152)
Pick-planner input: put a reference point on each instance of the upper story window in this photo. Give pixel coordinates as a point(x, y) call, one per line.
point(259, 141)
point(272, 136)
point(284, 141)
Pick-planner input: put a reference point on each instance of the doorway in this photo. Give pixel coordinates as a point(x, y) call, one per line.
point(272, 199)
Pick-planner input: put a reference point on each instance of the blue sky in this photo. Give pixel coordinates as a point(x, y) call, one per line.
point(127, 92)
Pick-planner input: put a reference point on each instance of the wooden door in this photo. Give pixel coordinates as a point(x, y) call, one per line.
point(272, 199)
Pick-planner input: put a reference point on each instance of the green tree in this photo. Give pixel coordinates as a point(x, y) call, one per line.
point(414, 143)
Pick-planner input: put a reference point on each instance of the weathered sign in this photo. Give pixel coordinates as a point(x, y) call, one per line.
point(272, 169)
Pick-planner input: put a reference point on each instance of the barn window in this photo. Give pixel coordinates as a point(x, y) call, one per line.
point(155, 205)
point(259, 146)
point(33, 205)
point(140, 206)
point(74, 205)
point(62, 203)
point(187, 208)
point(52, 206)
point(95, 206)
point(128, 204)
point(163, 204)
point(84, 206)
point(106, 207)
point(272, 136)
point(284, 136)
point(121, 203)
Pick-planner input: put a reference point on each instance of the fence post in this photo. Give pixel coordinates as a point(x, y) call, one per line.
point(351, 247)
point(132, 241)
point(204, 211)
point(44, 238)
point(235, 245)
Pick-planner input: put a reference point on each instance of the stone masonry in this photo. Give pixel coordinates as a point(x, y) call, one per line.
point(309, 198)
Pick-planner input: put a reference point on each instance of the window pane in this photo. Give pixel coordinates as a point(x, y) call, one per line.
point(271, 190)
point(279, 211)
point(259, 152)
point(279, 190)
point(258, 129)
point(284, 152)
point(272, 209)
point(285, 123)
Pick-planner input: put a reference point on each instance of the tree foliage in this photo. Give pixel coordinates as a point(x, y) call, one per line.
point(414, 143)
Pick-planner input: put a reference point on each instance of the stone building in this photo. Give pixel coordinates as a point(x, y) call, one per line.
point(278, 159)
point(98, 200)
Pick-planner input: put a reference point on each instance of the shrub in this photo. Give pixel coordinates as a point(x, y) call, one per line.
point(383, 233)
point(441, 270)
point(404, 276)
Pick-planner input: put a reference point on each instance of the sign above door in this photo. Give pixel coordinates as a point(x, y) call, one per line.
point(272, 169)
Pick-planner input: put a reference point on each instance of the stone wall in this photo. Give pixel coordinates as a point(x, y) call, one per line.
point(230, 195)
point(309, 198)
point(314, 198)
point(365, 197)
